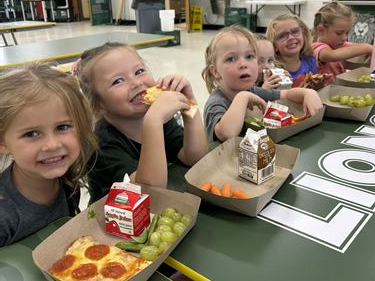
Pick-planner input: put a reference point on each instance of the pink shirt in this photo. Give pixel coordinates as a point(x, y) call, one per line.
point(334, 67)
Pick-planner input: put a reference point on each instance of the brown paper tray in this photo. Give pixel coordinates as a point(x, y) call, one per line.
point(350, 78)
point(336, 110)
point(54, 247)
point(221, 166)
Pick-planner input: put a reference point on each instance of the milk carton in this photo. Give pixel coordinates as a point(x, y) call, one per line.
point(286, 82)
point(126, 210)
point(256, 156)
point(276, 116)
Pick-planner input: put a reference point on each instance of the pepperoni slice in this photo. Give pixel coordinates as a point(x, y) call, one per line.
point(97, 252)
point(85, 271)
point(113, 270)
point(63, 264)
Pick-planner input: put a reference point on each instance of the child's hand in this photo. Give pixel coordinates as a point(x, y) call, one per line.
point(177, 83)
point(271, 82)
point(312, 103)
point(254, 100)
point(166, 105)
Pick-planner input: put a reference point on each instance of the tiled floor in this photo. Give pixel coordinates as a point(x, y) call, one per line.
point(186, 59)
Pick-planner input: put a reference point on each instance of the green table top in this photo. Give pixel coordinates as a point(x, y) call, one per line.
point(301, 235)
point(69, 49)
point(16, 263)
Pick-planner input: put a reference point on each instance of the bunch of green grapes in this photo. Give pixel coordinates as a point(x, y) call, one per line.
point(365, 78)
point(353, 101)
point(161, 234)
point(170, 226)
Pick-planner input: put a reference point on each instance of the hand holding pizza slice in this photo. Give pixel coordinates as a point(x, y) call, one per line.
point(154, 92)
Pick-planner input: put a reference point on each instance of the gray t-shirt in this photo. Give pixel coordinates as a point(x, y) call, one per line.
point(19, 217)
point(217, 104)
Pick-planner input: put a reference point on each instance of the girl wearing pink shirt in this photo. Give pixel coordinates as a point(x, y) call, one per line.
point(332, 24)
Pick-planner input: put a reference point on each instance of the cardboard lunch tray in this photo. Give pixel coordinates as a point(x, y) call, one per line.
point(280, 134)
point(221, 166)
point(336, 110)
point(54, 247)
point(356, 62)
point(351, 78)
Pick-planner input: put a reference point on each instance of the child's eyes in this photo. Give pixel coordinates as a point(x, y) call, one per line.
point(140, 71)
point(230, 59)
point(63, 127)
point(118, 81)
point(250, 56)
point(31, 134)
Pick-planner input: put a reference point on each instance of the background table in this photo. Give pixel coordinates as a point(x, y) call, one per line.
point(69, 49)
point(16, 26)
point(225, 245)
point(16, 263)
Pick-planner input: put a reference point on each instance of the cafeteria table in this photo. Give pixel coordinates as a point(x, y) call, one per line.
point(16, 263)
point(318, 226)
point(16, 26)
point(69, 49)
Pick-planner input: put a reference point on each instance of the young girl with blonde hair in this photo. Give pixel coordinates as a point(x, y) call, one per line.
point(332, 24)
point(46, 128)
point(136, 138)
point(230, 74)
point(292, 41)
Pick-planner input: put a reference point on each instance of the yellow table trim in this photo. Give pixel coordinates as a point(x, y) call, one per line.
point(187, 271)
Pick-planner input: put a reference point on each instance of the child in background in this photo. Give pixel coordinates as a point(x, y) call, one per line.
point(46, 128)
point(230, 74)
point(292, 42)
point(136, 138)
point(266, 61)
point(332, 24)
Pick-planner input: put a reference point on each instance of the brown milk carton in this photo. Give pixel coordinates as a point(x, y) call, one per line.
point(256, 156)
point(126, 210)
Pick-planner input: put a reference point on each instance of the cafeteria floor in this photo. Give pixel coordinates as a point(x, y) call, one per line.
point(186, 59)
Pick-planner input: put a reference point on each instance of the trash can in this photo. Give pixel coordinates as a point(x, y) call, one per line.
point(147, 15)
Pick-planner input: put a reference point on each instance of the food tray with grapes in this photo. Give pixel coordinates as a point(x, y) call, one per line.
point(173, 214)
point(347, 102)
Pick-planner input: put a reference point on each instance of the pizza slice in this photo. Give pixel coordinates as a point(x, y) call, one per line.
point(154, 92)
point(86, 259)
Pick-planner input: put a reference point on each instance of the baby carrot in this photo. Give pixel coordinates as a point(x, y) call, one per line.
point(226, 190)
point(206, 186)
point(215, 190)
point(239, 194)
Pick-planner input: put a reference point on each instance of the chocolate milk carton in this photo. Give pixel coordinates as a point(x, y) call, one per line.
point(256, 157)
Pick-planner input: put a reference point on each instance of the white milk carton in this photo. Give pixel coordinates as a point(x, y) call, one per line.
point(256, 157)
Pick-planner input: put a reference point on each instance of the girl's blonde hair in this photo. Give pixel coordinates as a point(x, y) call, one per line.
point(306, 50)
point(35, 83)
point(211, 52)
point(330, 12)
point(85, 66)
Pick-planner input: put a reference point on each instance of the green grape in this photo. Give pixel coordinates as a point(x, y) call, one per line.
point(163, 246)
point(163, 228)
point(150, 253)
point(176, 216)
point(186, 220)
point(155, 239)
point(369, 99)
point(166, 221)
point(351, 102)
point(179, 228)
point(344, 100)
point(168, 236)
point(168, 212)
point(335, 98)
point(360, 103)
point(365, 78)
